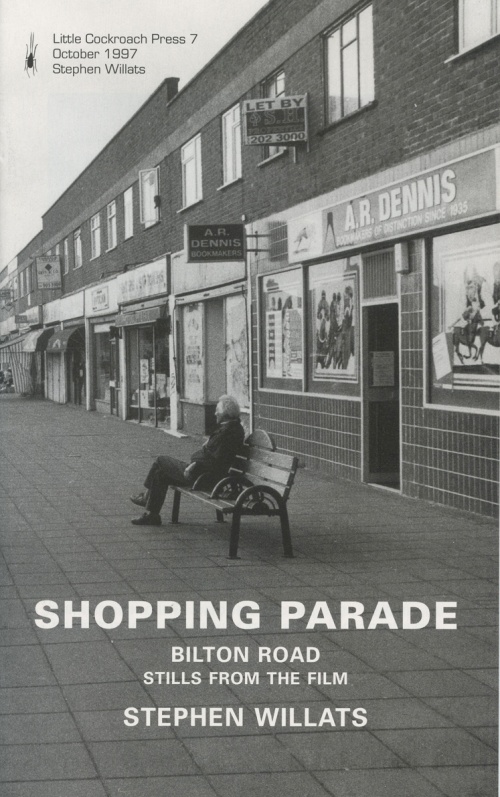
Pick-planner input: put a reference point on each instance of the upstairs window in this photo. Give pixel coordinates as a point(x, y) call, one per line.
point(191, 172)
point(479, 21)
point(149, 196)
point(350, 71)
point(65, 256)
point(95, 236)
point(77, 248)
point(111, 225)
point(273, 87)
point(231, 144)
point(128, 212)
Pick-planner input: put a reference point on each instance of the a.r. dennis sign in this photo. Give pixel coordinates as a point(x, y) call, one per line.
point(214, 242)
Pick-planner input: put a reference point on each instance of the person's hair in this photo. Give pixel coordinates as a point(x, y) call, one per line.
point(230, 407)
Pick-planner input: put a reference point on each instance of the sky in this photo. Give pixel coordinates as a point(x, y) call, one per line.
point(53, 123)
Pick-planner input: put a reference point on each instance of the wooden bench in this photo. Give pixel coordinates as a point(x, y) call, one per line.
point(258, 484)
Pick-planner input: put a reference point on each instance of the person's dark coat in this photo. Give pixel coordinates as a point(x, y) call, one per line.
point(218, 453)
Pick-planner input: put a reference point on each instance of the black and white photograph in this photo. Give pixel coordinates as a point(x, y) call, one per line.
point(249, 398)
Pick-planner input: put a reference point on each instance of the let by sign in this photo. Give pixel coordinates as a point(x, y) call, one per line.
point(279, 120)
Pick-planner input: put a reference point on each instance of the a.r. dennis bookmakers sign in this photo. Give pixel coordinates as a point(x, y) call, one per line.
point(214, 243)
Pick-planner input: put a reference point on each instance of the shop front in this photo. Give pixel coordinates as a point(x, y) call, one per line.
point(65, 364)
point(377, 334)
point(143, 326)
point(103, 360)
point(212, 339)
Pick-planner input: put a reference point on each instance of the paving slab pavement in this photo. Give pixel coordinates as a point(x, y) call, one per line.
point(428, 696)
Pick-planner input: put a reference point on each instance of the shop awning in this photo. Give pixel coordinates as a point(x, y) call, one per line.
point(63, 339)
point(37, 339)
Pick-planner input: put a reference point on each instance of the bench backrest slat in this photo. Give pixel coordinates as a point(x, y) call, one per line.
point(267, 468)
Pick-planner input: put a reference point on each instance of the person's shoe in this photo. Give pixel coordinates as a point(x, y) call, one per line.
point(147, 519)
point(139, 500)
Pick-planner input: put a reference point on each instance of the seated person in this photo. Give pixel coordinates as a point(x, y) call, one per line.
point(215, 458)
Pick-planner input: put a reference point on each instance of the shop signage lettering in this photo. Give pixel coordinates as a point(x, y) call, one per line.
point(48, 271)
point(449, 194)
point(455, 192)
point(20, 319)
point(215, 242)
point(100, 299)
point(145, 281)
point(278, 120)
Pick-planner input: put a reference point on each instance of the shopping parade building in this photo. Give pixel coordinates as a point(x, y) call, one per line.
point(312, 224)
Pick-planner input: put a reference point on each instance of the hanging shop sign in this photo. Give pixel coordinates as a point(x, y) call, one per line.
point(213, 243)
point(278, 120)
point(452, 193)
point(48, 271)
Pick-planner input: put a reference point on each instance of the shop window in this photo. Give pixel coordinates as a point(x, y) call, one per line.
point(479, 20)
point(77, 248)
point(149, 180)
point(128, 212)
point(350, 65)
point(193, 348)
point(231, 144)
point(333, 323)
point(191, 172)
point(102, 366)
point(65, 256)
point(95, 235)
point(237, 349)
point(281, 302)
point(111, 216)
point(464, 316)
point(273, 87)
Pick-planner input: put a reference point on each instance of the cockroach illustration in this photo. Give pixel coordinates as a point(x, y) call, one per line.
point(30, 59)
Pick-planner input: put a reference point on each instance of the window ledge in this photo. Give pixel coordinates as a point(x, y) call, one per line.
point(111, 248)
point(150, 226)
point(338, 122)
point(273, 158)
point(94, 258)
point(192, 205)
point(230, 183)
point(472, 49)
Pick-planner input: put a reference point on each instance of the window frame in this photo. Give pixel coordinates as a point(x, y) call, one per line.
point(111, 225)
point(231, 145)
point(494, 25)
point(77, 249)
point(128, 213)
point(149, 210)
point(186, 159)
point(95, 236)
point(338, 29)
point(269, 89)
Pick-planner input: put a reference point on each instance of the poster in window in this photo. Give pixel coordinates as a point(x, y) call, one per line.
point(283, 325)
point(193, 353)
point(333, 302)
point(465, 308)
point(236, 349)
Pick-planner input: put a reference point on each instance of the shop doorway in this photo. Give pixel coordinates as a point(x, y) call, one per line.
point(114, 375)
point(381, 405)
point(148, 375)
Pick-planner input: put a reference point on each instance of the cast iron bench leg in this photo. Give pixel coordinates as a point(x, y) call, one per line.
point(235, 536)
point(285, 531)
point(175, 506)
point(219, 515)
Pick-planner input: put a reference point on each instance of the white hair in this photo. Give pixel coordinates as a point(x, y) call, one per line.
point(230, 407)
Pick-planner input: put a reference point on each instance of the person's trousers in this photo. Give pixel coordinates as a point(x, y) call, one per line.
point(164, 471)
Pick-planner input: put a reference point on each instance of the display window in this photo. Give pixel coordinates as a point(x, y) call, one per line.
point(148, 375)
point(282, 356)
point(464, 316)
point(333, 322)
point(193, 339)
